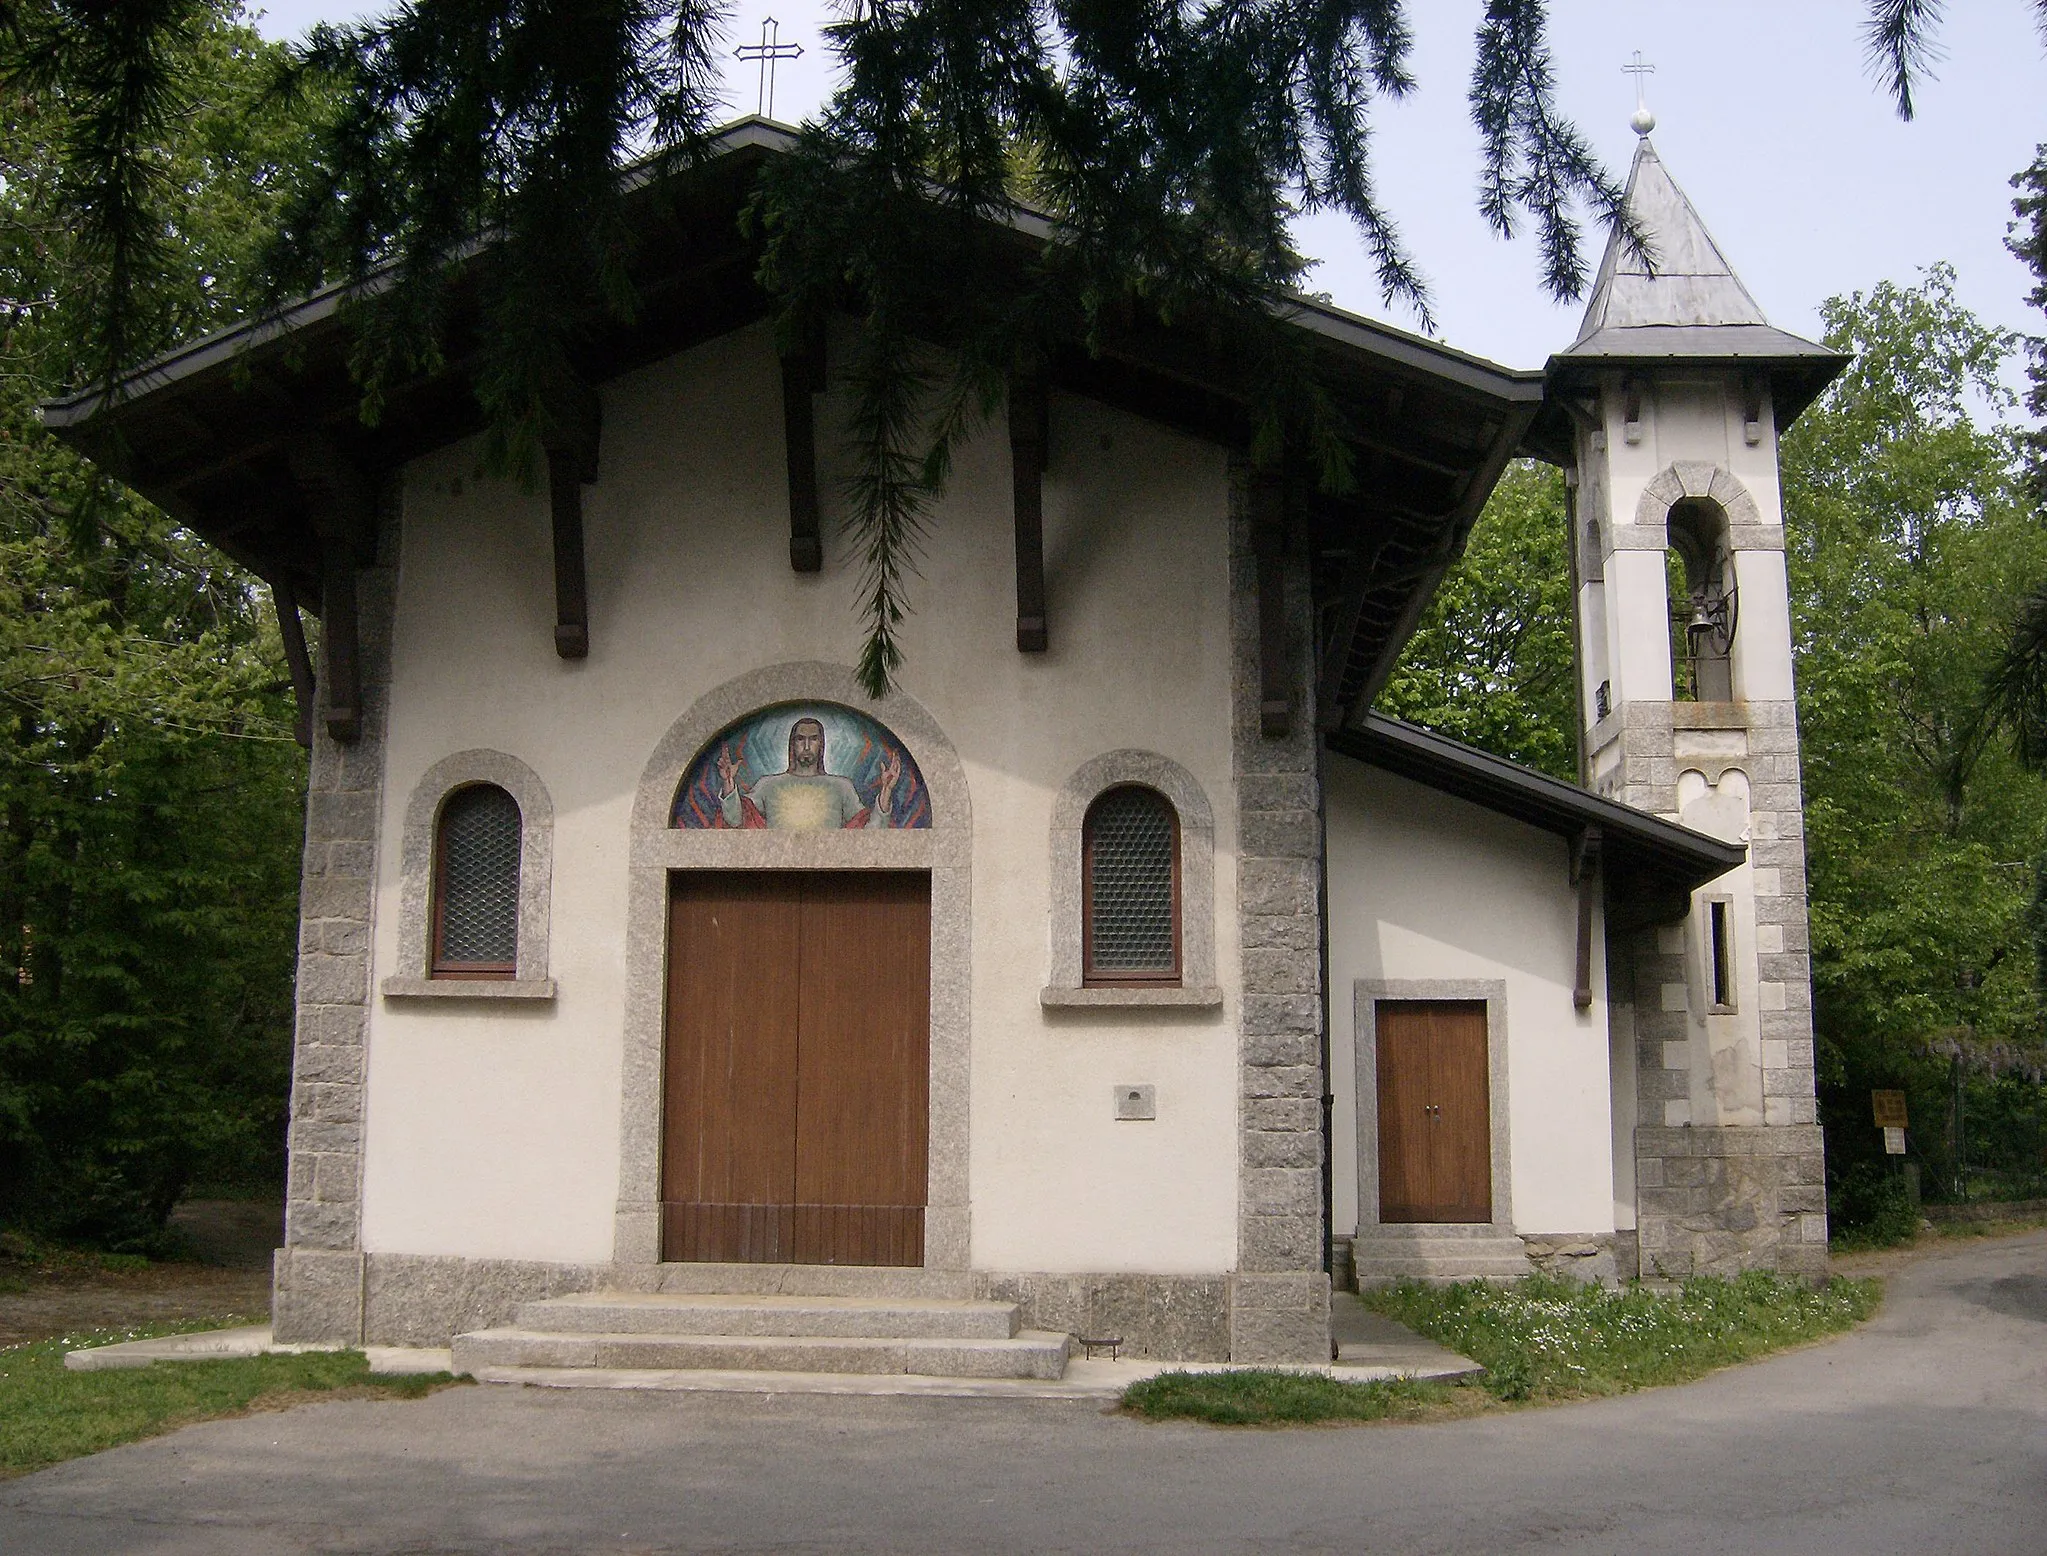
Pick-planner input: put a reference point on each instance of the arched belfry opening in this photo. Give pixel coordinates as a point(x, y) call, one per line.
point(1705, 604)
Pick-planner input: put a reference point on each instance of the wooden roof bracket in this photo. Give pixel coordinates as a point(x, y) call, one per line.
point(1585, 849)
point(1029, 436)
point(1268, 548)
point(571, 440)
point(803, 377)
point(342, 505)
point(293, 634)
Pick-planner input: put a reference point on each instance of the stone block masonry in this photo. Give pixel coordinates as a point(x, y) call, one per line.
point(319, 1275)
point(1279, 1295)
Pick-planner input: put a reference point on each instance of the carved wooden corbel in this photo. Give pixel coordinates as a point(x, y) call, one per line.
point(296, 659)
point(1585, 849)
point(803, 377)
point(1029, 424)
point(1268, 545)
point(571, 440)
point(341, 504)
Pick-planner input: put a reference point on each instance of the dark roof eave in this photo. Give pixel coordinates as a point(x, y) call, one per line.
point(754, 133)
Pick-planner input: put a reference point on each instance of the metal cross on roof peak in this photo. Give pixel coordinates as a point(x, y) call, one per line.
point(768, 51)
point(1643, 120)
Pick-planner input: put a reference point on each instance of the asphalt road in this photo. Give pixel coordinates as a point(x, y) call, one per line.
point(1924, 1432)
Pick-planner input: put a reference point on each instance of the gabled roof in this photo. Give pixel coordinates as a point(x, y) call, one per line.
point(1650, 866)
point(216, 431)
point(1679, 300)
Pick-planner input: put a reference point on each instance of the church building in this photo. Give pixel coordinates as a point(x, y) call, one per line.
point(665, 1001)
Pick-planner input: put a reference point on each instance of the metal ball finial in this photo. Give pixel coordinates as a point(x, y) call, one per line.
point(1642, 120)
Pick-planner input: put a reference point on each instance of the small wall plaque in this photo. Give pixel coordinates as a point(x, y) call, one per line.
point(1137, 1102)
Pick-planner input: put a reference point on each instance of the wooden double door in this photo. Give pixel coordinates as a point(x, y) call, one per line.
point(797, 1082)
point(1435, 1111)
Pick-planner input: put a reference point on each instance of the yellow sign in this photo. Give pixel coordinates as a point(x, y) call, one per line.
point(1889, 1108)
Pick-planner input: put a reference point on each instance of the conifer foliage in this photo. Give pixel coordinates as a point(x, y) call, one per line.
point(150, 788)
point(1171, 145)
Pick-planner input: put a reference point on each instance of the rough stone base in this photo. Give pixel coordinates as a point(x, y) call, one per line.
point(1280, 1318)
point(1343, 1264)
point(1627, 1256)
point(1586, 1257)
point(1157, 1317)
point(316, 1297)
point(426, 1300)
point(1718, 1201)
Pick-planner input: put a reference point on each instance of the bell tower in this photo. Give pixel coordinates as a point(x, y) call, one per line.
point(1678, 388)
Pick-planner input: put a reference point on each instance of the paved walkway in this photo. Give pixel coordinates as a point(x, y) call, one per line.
point(1925, 1432)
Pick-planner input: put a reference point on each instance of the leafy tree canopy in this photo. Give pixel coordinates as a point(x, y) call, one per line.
point(149, 785)
point(1492, 662)
point(1911, 544)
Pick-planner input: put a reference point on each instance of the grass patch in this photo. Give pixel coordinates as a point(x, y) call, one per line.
point(2010, 1226)
point(1543, 1338)
point(1272, 1397)
point(48, 1415)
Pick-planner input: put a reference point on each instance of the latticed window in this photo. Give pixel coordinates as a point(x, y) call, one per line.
point(1131, 889)
point(476, 884)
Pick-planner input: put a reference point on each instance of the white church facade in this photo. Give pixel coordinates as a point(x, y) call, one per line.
point(1122, 971)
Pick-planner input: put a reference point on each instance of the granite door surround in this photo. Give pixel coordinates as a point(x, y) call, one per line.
point(1367, 993)
point(945, 849)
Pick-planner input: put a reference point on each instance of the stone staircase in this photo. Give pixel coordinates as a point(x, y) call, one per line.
point(946, 1337)
point(1437, 1253)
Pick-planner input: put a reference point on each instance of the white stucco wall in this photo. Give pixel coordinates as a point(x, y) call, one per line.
point(494, 1131)
point(1423, 886)
point(1692, 420)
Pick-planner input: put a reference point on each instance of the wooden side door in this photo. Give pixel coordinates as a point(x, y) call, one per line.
point(863, 1069)
point(1435, 1112)
point(728, 1150)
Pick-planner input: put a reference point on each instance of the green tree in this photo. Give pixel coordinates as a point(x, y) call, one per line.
point(1911, 542)
point(1491, 662)
point(149, 786)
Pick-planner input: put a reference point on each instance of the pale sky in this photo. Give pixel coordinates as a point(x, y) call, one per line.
point(1766, 116)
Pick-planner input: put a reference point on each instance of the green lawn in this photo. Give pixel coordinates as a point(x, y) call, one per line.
point(1261, 1397)
point(1538, 1339)
point(48, 1415)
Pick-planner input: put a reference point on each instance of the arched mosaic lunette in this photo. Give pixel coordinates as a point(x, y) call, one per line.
point(808, 766)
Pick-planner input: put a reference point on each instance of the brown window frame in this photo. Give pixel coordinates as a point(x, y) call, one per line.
point(437, 965)
point(1124, 978)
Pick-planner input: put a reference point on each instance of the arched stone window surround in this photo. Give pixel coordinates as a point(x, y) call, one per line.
point(416, 874)
point(1095, 777)
point(945, 849)
point(1699, 479)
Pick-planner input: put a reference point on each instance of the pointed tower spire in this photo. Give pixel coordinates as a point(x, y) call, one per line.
point(1678, 299)
point(1681, 279)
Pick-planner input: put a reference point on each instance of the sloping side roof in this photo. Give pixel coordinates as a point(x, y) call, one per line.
point(1650, 866)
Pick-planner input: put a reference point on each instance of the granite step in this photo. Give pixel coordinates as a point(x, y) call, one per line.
point(1440, 1257)
point(629, 1312)
point(1032, 1353)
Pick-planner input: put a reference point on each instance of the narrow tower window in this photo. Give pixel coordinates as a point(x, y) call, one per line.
point(476, 885)
point(1722, 953)
point(1131, 889)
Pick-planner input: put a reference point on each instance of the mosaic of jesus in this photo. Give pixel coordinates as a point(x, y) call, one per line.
point(803, 767)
